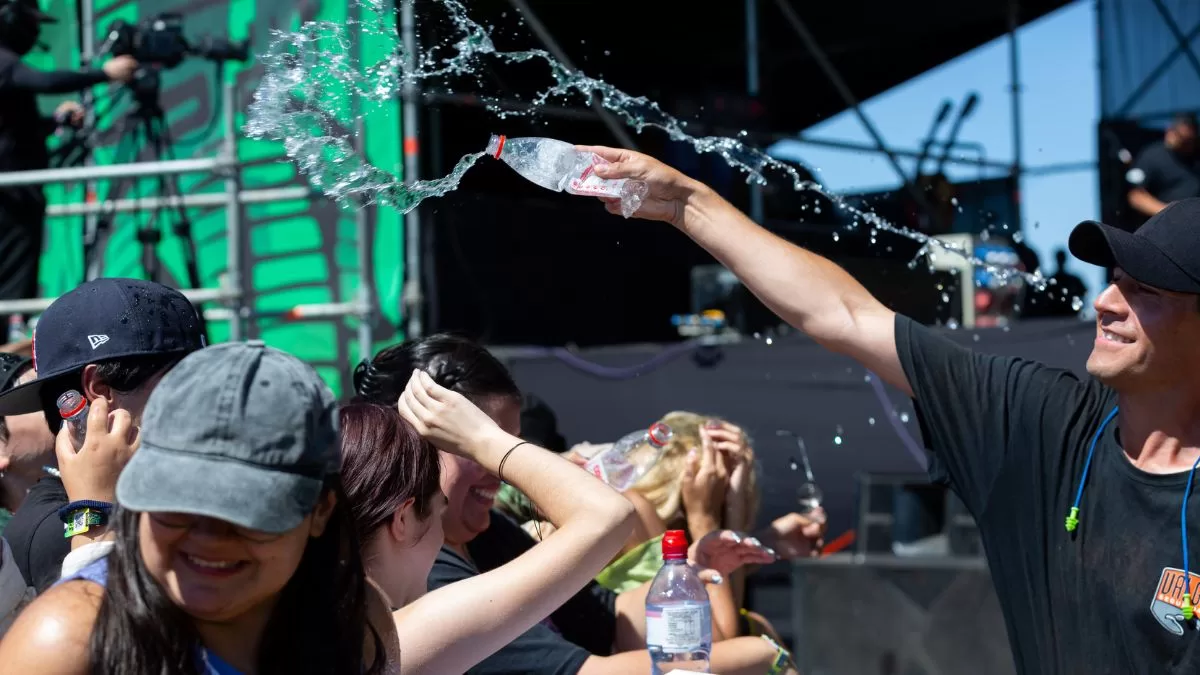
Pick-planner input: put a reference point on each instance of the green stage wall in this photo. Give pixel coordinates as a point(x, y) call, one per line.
point(296, 252)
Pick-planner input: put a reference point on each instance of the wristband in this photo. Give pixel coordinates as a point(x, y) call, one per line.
point(782, 658)
point(66, 513)
point(81, 516)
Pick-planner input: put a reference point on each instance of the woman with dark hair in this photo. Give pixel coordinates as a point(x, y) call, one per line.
point(392, 486)
point(234, 552)
point(578, 632)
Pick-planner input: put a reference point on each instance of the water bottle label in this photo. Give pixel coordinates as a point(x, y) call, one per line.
point(675, 630)
point(588, 183)
point(596, 467)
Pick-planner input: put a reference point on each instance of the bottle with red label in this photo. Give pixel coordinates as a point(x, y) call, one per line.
point(557, 165)
point(73, 408)
point(631, 457)
point(678, 612)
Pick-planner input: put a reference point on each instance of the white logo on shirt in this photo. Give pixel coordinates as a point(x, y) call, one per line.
point(97, 340)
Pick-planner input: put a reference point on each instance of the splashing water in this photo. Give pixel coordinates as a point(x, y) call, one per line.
point(292, 105)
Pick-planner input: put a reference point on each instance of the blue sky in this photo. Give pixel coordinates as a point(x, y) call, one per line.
point(1059, 110)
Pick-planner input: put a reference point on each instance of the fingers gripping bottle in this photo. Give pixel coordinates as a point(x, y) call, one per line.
point(557, 165)
point(73, 408)
point(631, 457)
point(678, 613)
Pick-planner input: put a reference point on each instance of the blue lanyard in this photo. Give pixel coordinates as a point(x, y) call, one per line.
point(1189, 611)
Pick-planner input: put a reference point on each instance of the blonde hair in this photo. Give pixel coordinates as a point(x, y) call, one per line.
point(661, 485)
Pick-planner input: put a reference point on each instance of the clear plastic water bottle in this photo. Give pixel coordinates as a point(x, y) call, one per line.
point(17, 330)
point(557, 165)
point(631, 457)
point(678, 613)
point(73, 408)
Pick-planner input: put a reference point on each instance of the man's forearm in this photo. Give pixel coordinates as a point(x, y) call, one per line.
point(1145, 202)
point(806, 290)
point(28, 79)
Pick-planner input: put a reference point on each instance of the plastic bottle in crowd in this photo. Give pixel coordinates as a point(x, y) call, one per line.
point(678, 613)
point(17, 330)
point(73, 408)
point(557, 165)
point(631, 457)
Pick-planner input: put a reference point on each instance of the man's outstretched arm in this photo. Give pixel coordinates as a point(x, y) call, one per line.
point(809, 292)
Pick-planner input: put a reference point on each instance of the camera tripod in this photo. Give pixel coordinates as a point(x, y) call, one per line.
point(145, 134)
point(144, 130)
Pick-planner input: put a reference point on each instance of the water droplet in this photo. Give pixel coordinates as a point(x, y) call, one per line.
point(945, 297)
point(871, 421)
point(835, 236)
point(1076, 304)
point(904, 417)
point(954, 201)
point(795, 466)
point(770, 340)
point(837, 440)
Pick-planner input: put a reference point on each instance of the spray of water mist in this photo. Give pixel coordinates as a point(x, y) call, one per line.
point(309, 70)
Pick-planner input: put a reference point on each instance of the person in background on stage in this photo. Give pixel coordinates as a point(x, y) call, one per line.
point(1166, 171)
point(23, 133)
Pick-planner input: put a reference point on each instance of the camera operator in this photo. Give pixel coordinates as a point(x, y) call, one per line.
point(23, 132)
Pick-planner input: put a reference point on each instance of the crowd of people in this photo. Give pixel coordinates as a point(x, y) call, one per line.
point(223, 513)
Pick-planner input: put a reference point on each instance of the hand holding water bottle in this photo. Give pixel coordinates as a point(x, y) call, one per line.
point(109, 442)
point(668, 191)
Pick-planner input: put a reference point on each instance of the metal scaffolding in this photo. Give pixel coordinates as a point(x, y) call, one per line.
point(230, 293)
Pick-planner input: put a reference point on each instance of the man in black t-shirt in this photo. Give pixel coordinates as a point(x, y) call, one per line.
point(1168, 170)
point(1082, 505)
point(109, 338)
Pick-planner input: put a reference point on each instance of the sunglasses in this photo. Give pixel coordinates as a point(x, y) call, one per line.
point(186, 521)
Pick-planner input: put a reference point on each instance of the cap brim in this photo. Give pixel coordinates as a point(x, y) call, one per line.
point(26, 398)
point(162, 481)
point(1107, 246)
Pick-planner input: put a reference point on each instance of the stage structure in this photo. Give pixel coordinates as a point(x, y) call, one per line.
point(1149, 52)
point(275, 261)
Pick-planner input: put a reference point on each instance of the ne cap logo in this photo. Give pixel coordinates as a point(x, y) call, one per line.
point(97, 340)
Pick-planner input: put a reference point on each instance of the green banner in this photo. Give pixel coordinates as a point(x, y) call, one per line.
point(294, 252)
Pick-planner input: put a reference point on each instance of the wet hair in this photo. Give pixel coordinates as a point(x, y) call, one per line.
point(318, 625)
point(124, 374)
point(384, 463)
point(454, 362)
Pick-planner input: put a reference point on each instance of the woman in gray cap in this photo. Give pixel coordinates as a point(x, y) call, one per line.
point(234, 550)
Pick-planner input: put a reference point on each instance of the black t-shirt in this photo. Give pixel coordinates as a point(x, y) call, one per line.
point(1010, 437)
point(35, 533)
point(1165, 174)
point(585, 625)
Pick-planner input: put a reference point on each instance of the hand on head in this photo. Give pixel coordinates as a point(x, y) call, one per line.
point(669, 189)
point(443, 417)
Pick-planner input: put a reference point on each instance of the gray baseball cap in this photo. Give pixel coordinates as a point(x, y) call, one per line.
point(239, 432)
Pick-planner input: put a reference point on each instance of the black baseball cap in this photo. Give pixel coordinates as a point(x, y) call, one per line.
point(101, 320)
point(11, 366)
point(1163, 253)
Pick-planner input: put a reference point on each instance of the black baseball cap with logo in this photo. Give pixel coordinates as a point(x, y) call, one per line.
point(101, 320)
point(1163, 253)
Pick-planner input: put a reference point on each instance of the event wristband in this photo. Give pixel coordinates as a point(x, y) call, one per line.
point(782, 658)
point(83, 520)
point(80, 516)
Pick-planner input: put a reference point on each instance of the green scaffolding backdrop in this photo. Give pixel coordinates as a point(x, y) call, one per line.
point(295, 252)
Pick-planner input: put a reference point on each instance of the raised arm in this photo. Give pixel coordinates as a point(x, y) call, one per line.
point(457, 626)
point(808, 291)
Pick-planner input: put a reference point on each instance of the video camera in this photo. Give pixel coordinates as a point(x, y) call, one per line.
point(159, 40)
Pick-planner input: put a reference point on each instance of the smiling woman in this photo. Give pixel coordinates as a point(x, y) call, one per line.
point(234, 552)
